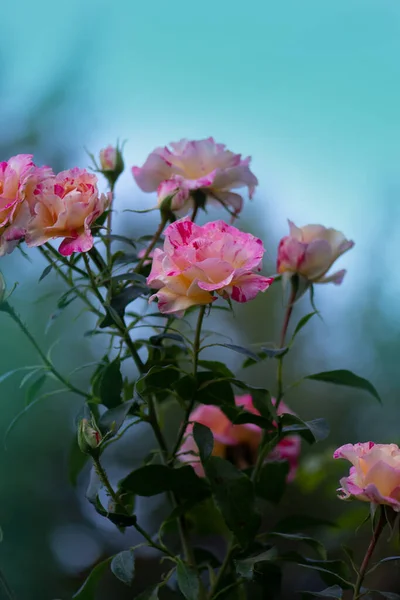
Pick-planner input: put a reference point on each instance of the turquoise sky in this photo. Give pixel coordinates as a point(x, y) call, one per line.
point(310, 89)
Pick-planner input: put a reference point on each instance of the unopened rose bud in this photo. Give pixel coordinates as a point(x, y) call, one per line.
point(89, 437)
point(111, 163)
point(172, 195)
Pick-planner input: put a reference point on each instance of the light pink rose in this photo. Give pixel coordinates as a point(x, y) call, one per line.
point(238, 443)
point(198, 165)
point(21, 184)
point(310, 251)
point(375, 474)
point(198, 262)
point(108, 158)
point(68, 210)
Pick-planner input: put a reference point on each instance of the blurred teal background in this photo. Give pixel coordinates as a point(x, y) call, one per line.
point(311, 90)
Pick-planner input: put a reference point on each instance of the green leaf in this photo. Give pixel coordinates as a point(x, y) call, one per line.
point(383, 561)
point(8, 374)
point(128, 295)
point(271, 482)
point(332, 592)
point(299, 537)
point(346, 378)
point(295, 523)
point(206, 388)
point(123, 566)
point(332, 572)
point(312, 431)
point(45, 272)
point(157, 378)
point(245, 566)
point(188, 581)
point(234, 494)
point(111, 384)
point(34, 389)
point(218, 368)
point(241, 350)
point(204, 440)
point(387, 595)
point(156, 479)
point(303, 321)
point(88, 589)
point(113, 419)
point(76, 461)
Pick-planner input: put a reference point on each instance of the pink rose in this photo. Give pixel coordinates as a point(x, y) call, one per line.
point(238, 443)
point(198, 262)
point(21, 183)
point(310, 251)
point(68, 210)
point(375, 474)
point(108, 158)
point(198, 165)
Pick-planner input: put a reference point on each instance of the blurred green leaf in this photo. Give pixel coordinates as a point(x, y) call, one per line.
point(113, 419)
point(234, 495)
point(123, 566)
point(8, 374)
point(245, 566)
point(150, 594)
point(204, 440)
point(303, 321)
point(88, 589)
point(382, 562)
point(206, 388)
point(387, 595)
point(346, 378)
point(299, 537)
point(188, 581)
point(216, 367)
point(111, 384)
point(271, 482)
point(332, 572)
point(34, 389)
point(156, 479)
point(45, 272)
point(157, 378)
point(240, 350)
point(312, 431)
point(332, 592)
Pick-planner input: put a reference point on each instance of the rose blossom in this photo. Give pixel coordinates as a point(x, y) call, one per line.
point(240, 443)
point(68, 210)
point(375, 474)
point(310, 251)
point(199, 261)
point(197, 165)
point(21, 183)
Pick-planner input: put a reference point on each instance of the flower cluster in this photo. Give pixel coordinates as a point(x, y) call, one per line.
point(40, 206)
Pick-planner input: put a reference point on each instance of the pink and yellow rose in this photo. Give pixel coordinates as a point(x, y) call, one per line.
point(310, 251)
point(375, 474)
point(197, 165)
point(108, 158)
point(238, 443)
point(68, 210)
point(21, 185)
point(198, 262)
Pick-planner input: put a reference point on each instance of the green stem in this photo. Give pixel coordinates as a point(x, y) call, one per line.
point(119, 504)
point(372, 545)
point(288, 313)
point(156, 237)
point(120, 323)
point(108, 243)
point(226, 562)
point(67, 280)
point(194, 213)
point(196, 350)
point(42, 355)
point(59, 256)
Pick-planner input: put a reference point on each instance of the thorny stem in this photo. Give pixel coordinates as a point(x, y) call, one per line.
point(156, 237)
point(372, 545)
point(118, 503)
point(289, 309)
point(42, 355)
point(196, 349)
point(108, 241)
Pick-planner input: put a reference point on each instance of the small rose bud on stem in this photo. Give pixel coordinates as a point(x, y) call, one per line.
point(89, 437)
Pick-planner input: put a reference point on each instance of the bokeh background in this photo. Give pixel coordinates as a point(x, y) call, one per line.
point(311, 90)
